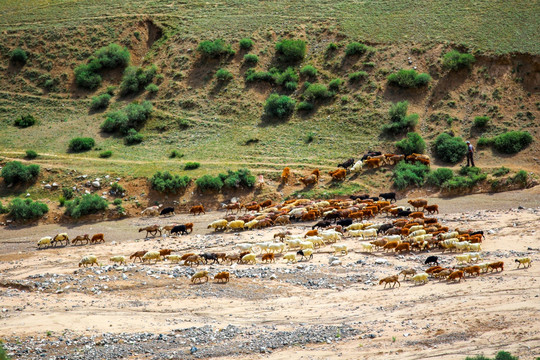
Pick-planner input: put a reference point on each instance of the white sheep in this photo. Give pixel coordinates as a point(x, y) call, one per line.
point(151, 255)
point(250, 224)
point(306, 245)
point(420, 278)
point(44, 241)
point(474, 256)
point(118, 259)
point(293, 243)
point(483, 266)
point(417, 233)
point(475, 247)
point(415, 228)
point(274, 247)
point(462, 245)
point(524, 261)
point(235, 225)
point(290, 257)
point(294, 237)
point(249, 258)
point(463, 258)
point(297, 212)
point(244, 246)
point(306, 253)
point(357, 167)
point(367, 246)
point(321, 204)
point(88, 260)
point(373, 226)
point(448, 235)
point(174, 258)
point(220, 224)
point(263, 246)
point(316, 240)
point(356, 226)
point(330, 235)
point(393, 238)
point(340, 248)
point(356, 233)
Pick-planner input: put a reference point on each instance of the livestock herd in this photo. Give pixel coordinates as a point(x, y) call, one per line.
point(405, 229)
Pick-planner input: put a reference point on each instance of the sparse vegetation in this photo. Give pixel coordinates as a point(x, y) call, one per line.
point(521, 177)
point(309, 70)
point(413, 143)
point(223, 75)
point(24, 121)
point(31, 154)
point(251, 58)
point(469, 177)
point(484, 142)
point(215, 49)
point(449, 148)
point(501, 171)
point(18, 55)
point(176, 154)
point(455, 60)
point(152, 88)
point(291, 50)
point(406, 175)
point(133, 137)
point(166, 182)
point(334, 84)
point(357, 76)
point(85, 205)
point(80, 144)
point(136, 78)
point(409, 79)
point(317, 92)
point(246, 43)
point(15, 172)
point(279, 106)
point(68, 193)
point(24, 209)
point(132, 117)
point(400, 121)
point(355, 48)
point(501, 355)
point(105, 154)
point(100, 102)
point(117, 189)
point(304, 106)
point(192, 165)
point(512, 142)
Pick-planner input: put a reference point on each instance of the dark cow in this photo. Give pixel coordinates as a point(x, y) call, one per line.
point(432, 260)
point(347, 164)
point(179, 229)
point(321, 224)
point(167, 210)
point(344, 222)
point(388, 196)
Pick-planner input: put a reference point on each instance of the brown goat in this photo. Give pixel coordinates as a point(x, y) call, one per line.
point(418, 203)
point(268, 257)
point(197, 210)
point(97, 238)
point(431, 209)
point(407, 272)
point(403, 247)
point(81, 238)
point(456, 275)
point(224, 275)
point(390, 245)
point(137, 255)
point(390, 280)
point(496, 266)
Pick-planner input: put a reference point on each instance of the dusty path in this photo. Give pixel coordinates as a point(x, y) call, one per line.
point(437, 320)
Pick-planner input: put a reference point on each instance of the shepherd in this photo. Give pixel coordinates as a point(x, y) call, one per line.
point(470, 153)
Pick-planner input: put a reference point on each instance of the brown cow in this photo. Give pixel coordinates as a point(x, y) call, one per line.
point(197, 210)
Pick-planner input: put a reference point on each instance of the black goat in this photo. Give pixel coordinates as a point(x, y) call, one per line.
point(179, 229)
point(359, 197)
point(432, 260)
point(207, 257)
point(404, 213)
point(321, 224)
point(344, 222)
point(347, 164)
point(167, 210)
point(388, 196)
point(384, 228)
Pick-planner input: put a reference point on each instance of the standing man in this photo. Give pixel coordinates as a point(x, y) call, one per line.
point(470, 152)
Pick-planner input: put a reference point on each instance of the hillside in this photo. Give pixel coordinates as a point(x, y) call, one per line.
point(221, 124)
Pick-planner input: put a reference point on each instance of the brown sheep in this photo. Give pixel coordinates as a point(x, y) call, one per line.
point(308, 180)
point(185, 256)
point(338, 174)
point(403, 247)
point(152, 230)
point(311, 233)
point(418, 203)
point(281, 235)
point(137, 255)
point(189, 226)
point(193, 259)
point(431, 209)
point(232, 257)
point(220, 256)
point(390, 245)
point(373, 163)
point(309, 216)
point(199, 276)
point(231, 207)
point(282, 220)
point(224, 275)
point(97, 238)
point(164, 252)
point(197, 210)
point(316, 173)
point(379, 243)
point(266, 203)
point(496, 266)
point(390, 279)
point(443, 274)
point(268, 257)
point(433, 269)
point(456, 275)
point(254, 207)
point(472, 270)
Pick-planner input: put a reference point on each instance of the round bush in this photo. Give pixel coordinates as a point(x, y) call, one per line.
point(317, 91)
point(214, 48)
point(152, 88)
point(81, 144)
point(309, 70)
point(355, 48)
point(166, 182)
point(335, 84)
point(100, 101)
point(304, 106)
point(105, 154)
point(18, 55)
point(251, 58)
point(85, 205)
point(455, 60)
point(409, 79)
point(484, 142)
point(223, 75)
point(191, 165)
point(439, 176)
point(291, 50)
point(481, 121)
point(279, 106)
point(512, 142)
point(246, 43)
point(412, 144)
point(27, 209)
point(133, 137)
point(450, 149)
point(209, 183)
point(15, 172)
point(31, 154)
point(25, 121)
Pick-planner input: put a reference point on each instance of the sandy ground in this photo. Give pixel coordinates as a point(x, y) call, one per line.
point(440, 320)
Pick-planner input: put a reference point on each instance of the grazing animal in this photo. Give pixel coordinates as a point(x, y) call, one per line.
point(88, 260)
point(235, 225)
point(249, 259)
point(137, 255)
point(231, 207)
point(357, 167)
point(394, 279)
point(524, 261)
point(179, 229)
point(165, 252)
point(290, 257)
point(197, 210)
point(81, 238)
point(270, 257)
point(173, 258)
point(199, 276)
point(388, 196)
point(432, 260)
point(281, 235)
point(338, 175)
point(379, 243)
point(390, 245)
point(220, 224)
point(118, 259)
point(152, 230)
point(266, 203)
point(305, 254)
point(167, 210)
point(420, 278)
point(59, 238)
point(475, 269)
point(371, 154)
point(286, 175)
point(340, 249)
point(317, 173)
point(282, 220)
point(224, 275)
point(322, 224)
point(152, 209)
point(193, 260)
point(373, 163)
point(209, 256)
point(418, 203)
point(97, 238)
point(403, 247)
point(431, 209)
point(344, 222)
point(456, 275)
point(151, 255)
point(407, 272)
point(308, 180)
point(496, 266)
point(47, 240)
point(189, 226)
point(346, 164)
point(416, 215)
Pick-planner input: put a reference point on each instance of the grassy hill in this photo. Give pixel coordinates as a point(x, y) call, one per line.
point(221, 124)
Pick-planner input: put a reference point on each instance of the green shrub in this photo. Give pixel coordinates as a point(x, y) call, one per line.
point(317, 92)
point(439, 176)
point(520, 177)
point(223, 75)
point(409, 79)
point(209, 183)
point(132, 117)
point(291, 50)
point(68, 193)
point(85, 205)
point(31, 154)
point(412, 144)
point(109, 57)
point(512, 142)
point(406, 174)
point(191, 165)
point(401, 122)
point(251, 58)
point(470, 176)
point(449, 149)
point(176, 154)
point(18, 55)
point(331, 47)
point(114, 121)
point(214, 49)
point(279, 106)
point(357, 76)
point(309, 70)
point(310, 137)
point(481, 121)
point(117, 189)
point(86, 78)
point(166, 182)
point(455, 60)
point(501, 355)
point(355, 48)
point(81, 144)
point(252, 76)
point(133, 137)
point(15, 172)
point(117, 202)
point(24, 121)
point(238, 178)
point(290, 85)
point(105, 154)
point(3, 210)
point(61, 200)
point(335, 84)
point(501, 171)
point(304, 106)
point(484, 142)
point(21, 209)
point(100, 101)
point(152, 88)
point(246, 43)
point(136, 78)
point(289, 75)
